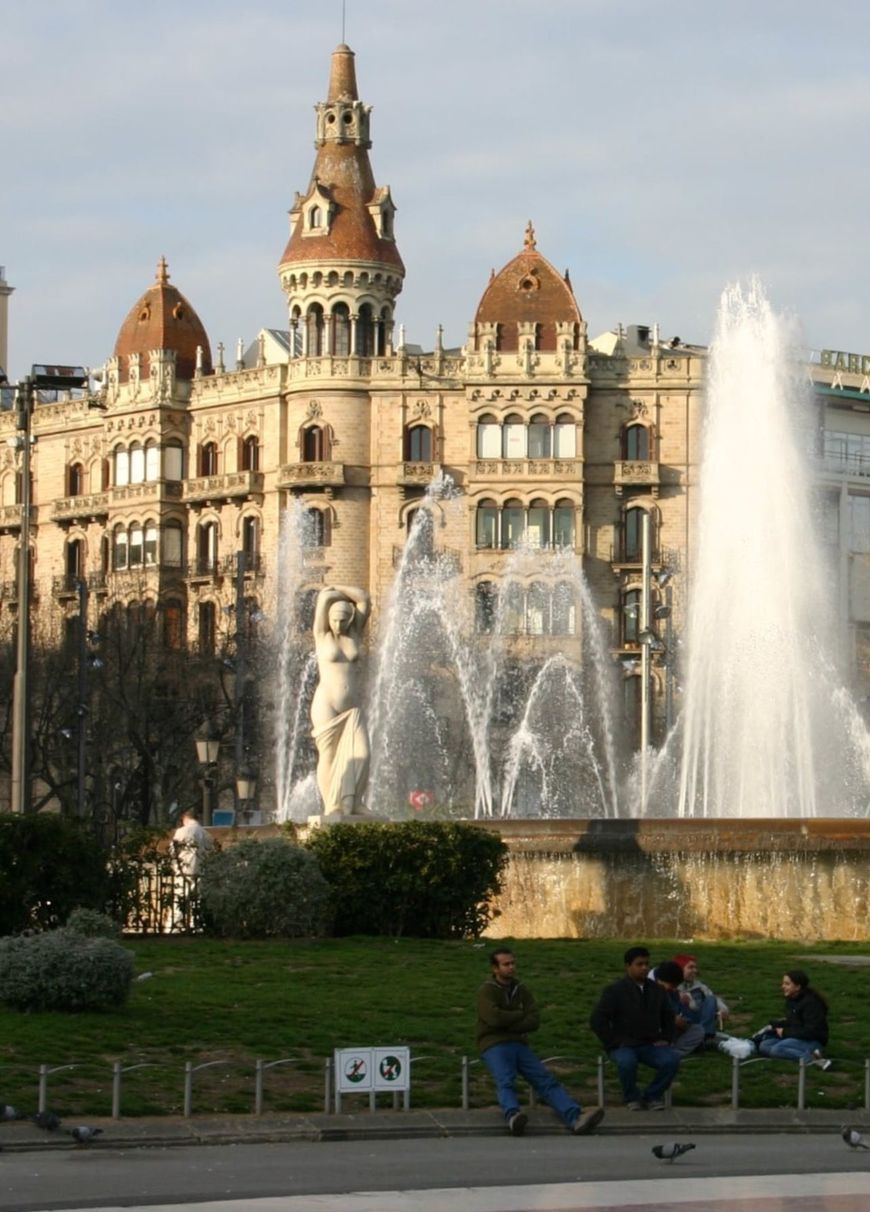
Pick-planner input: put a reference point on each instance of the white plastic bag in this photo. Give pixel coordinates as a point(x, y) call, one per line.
point(732, 1046)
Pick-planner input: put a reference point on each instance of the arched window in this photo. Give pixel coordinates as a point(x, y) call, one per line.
point(296, 332)
point(381, 332)
point(365, 332)
point(120, 550)
point(75, 482)
point(563, 524)
point(341, 330)
point(208, 459)
point(565, 437)
point(514, 616)
point(251, 541)
point(631, 618)
point(207, 628)
point(122, 468)
point(564, 609)
point(485, 606)
point(152, 462)
point(632, 534)
point(540, 433)
point(538, 525)
point(418, 444)
point(315, 217)
point(314, 324)
point(137, 464)
point(136, 538)
point(421, 523)
point(206, 547)
point(173, 461)
point(250, 453)
point(316, 528)
point(173, 625)
point(150, 546)
point(75, 560)
point(514, 438)
point(488, 438)
point(172, 553)
point(487, 524)
point(313, 444)
point(537, 610)
point(635, 443)
point(513, 523)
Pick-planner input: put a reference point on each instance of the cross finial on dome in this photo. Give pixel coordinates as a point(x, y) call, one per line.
point(529, 241)
point(162, 274)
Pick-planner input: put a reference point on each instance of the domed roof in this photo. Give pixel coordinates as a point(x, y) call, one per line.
point(163, 319)
point(528, 290)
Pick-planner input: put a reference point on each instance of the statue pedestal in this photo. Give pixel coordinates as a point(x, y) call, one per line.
point(324, 819)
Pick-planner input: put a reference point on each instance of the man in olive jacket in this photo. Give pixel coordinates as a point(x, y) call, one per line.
point(506, 1013)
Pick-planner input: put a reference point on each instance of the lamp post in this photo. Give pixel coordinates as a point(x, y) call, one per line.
point(20, 789)
point(208, 748)
point(246, 790)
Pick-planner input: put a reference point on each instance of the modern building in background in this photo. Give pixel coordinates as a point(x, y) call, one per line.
point(186, 455)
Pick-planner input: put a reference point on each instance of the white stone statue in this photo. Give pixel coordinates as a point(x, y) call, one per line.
point(338, 721)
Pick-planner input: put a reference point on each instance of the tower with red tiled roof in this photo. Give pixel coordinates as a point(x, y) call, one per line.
point(341, 269)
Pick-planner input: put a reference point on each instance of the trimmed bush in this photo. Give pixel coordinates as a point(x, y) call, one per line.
point(61, 970)
point(90, 923)
point(268, 889)
point(49, 865)
point(427, 879)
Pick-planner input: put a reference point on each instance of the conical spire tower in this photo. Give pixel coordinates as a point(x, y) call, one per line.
point(341, 269)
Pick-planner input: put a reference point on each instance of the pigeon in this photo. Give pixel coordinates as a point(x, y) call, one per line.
point(8, 1112)
point(670, 1152)
point(854, 1139)
point(84, 1135)
point(47, 1120)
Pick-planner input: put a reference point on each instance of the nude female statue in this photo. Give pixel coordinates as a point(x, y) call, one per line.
point(338, 722)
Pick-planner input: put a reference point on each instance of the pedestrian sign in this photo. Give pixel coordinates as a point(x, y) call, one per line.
point(366, 1069)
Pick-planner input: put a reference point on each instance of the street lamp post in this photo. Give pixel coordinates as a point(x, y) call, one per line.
point(21, 790)
point(208, 747)
point(246, 791)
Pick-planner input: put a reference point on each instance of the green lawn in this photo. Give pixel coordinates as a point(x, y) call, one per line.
point(234, 1002)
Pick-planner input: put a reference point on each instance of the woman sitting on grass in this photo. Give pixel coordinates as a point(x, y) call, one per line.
point(803, 1033)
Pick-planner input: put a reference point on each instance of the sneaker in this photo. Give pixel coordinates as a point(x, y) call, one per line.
point(587, 1121)
point(635, 1105)
point(823, 1062)
point(517, 1123)
point(654, 1104)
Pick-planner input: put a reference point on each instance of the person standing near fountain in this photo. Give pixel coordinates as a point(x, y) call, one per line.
point(506, 1014)
point(337, 718)
point(635, 1023)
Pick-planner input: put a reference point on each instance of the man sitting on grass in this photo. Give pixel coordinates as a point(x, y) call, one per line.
point(506, 1013)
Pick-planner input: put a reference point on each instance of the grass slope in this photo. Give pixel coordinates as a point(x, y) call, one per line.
point(232, 1002)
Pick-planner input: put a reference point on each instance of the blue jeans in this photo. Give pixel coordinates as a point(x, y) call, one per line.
point(506, 1061)
point(662, 1058)
point(789, 1049)
point(705, 1014)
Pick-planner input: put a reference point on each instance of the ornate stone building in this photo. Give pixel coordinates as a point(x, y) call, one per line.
point(149, 489)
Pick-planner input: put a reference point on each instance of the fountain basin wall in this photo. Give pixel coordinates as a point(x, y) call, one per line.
point(807, 880)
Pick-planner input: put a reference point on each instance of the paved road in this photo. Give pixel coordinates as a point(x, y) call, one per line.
point(240, 1175)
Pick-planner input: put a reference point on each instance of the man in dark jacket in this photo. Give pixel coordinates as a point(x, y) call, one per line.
point(635, 1023)
point(506, 1014)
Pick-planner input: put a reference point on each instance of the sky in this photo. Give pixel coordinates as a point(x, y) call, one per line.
point(661, 150)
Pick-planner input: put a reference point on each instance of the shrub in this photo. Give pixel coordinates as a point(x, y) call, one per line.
point(90, 923)
point(61, 970)
point(48, 866)
point(428, 879)
point(262, 890)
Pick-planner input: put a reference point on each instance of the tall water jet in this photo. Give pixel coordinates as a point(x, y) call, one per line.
point(767, 729)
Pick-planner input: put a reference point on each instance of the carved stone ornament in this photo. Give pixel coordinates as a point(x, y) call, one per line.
point(639, 409)
point(314, 409)
point(422, 409)
point(231, 423)
point(76, 446)
point(252, 420)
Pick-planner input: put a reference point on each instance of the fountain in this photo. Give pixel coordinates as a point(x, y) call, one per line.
point(754, 818)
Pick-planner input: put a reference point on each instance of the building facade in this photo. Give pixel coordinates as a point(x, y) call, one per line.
point(150, 488)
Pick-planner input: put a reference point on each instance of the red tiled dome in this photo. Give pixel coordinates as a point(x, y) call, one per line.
point(529, 290)
point(163, 319)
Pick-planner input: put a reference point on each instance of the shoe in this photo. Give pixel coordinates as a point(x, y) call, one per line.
point(823, 1062)
point(517, 1123)
point(587, 1121)
point(635, 1105)
point(654, 1104)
